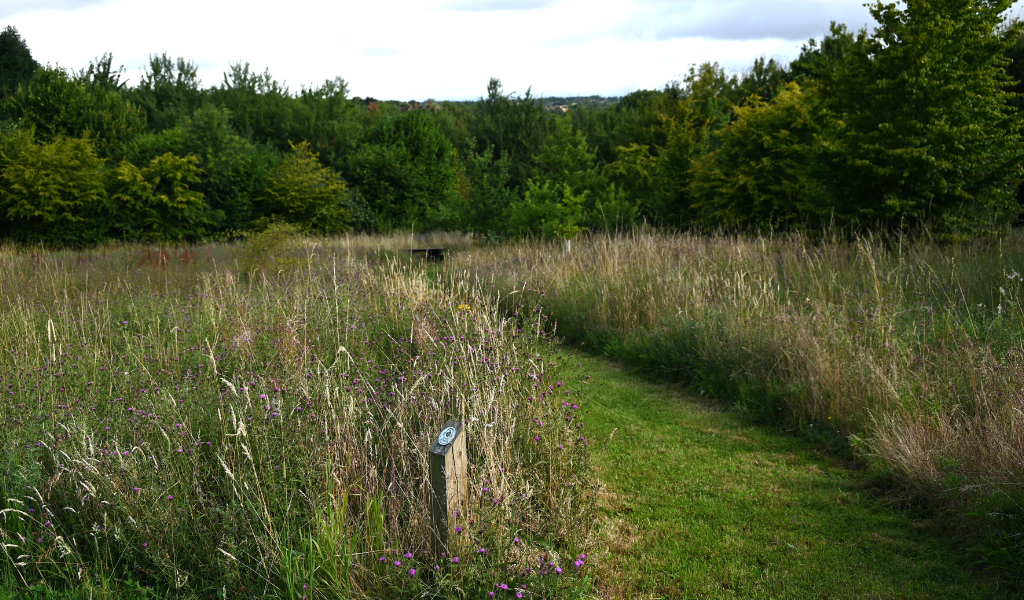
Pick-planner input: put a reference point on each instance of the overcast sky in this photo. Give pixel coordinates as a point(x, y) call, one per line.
point(441, 49)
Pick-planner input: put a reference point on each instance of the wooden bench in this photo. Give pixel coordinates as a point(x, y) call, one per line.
point(431, 254)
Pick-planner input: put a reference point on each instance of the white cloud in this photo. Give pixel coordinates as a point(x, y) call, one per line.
point(493, 5)
point(795, 20)
point(12, 8)
point(442, 49)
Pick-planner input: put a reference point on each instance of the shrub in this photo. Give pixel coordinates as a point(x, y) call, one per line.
point(157, 202)
point(53, 193)
point(303, 192)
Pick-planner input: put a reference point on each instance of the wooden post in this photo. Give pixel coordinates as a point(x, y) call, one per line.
point(449, 483)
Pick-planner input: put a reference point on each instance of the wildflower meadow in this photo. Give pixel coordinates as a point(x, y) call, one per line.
point(252, 419)
point(901, 352)
point(178, 425)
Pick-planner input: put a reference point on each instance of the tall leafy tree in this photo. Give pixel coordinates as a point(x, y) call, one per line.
point(929, 137)
point(408, 171)
point(818, 59)
point(324, 117)
point(489, 195)
point(514, 127)
point(764, 79)
point(664, 132)
point(764, 172)
point(16, 63)
point(168, 91)
point(101, 74)
point(59, 103)
point(236, 171)
point(566, 157)
point(261, 108)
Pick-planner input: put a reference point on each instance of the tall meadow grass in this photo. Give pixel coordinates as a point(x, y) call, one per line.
point(210, 422)
point(907, 352)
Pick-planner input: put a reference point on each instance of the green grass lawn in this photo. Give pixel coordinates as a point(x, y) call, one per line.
point(700, 503)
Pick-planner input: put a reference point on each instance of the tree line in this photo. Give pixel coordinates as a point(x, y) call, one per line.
point(913, 123)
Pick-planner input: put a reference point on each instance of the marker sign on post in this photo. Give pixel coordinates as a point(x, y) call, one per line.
point(446, 436)
point(449, 484)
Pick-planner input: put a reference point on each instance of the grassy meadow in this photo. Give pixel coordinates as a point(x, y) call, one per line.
point(905, 353)
point(253, 421)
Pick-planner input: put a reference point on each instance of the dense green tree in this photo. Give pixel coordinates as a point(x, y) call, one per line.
point(929, 137)
point(565, 157)
point(101, 74)
point(489, 195)
point(568, 167)
point(53, 193)
point(168, 91)
point(550, 210)
point(324, 117)
point(58, 103)
point(764, 79)
point(13, 140)
point(264, 111)
point(236, 172)
point(157, 203)
point(818, 59)
point(261, 108)
point(54, 104)
point(764, 173)
point(408, 171)
point(671, 130)
point(710, 94)
point(304, 192)
point(514, 127)
point(16, 63)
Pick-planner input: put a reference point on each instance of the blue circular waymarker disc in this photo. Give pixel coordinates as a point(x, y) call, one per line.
point(446, 436)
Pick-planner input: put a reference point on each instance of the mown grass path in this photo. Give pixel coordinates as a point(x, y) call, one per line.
point(699, 503)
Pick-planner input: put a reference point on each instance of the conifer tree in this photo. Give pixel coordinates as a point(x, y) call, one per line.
point(16, 62)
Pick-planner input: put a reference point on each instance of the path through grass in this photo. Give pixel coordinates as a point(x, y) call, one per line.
point(702, 504)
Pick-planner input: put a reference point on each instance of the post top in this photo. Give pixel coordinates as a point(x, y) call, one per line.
point(445, 439)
